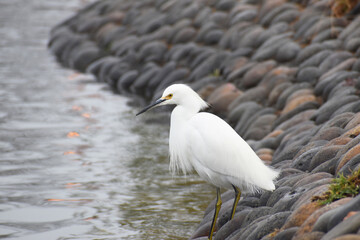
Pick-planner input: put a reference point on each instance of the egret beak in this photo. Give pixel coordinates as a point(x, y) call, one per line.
point(160, 100)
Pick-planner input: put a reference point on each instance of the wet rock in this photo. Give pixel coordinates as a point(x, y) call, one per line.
point(303, 161)
point(350, 166)
point(277, 194)
point(280, 104)
point(152, 51)
point(184, 35)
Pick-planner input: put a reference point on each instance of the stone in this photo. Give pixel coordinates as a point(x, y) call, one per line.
point(294, 103)
point(350, 225)
point(328, 108)
point(333, 60)
point(299, 215)
point(233, 225)
point(222, 97)
point(349, 237)
point(323, 155)
point(351, 153)
point(303, 161)
point(316, 59)
point(268, 225)
point(308, 74)
point(287, 52)
point(277, 194)
point(350, 166)
point(308, 224)
point(255, 74)
point(126, 80)
point(152, 51)
point(288, 233)
point(277, 91)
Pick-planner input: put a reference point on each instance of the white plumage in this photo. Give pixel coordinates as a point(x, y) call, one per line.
point(206, 143)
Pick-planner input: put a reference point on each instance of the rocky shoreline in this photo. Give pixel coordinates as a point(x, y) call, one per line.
point(284, 74)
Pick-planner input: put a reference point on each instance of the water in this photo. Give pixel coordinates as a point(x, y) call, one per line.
point(74, 161)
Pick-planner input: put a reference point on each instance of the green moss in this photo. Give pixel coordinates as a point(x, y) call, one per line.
point(216, 73)
point(341, 187)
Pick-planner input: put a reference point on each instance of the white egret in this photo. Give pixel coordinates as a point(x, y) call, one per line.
point(206, 143)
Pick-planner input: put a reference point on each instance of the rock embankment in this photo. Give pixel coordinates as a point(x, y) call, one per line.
point(284, 74)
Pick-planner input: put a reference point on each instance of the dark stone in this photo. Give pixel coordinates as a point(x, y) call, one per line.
point(285, 154)
point(328, 166)
point(316, 59)
point(141, 82)
point(308, 74)
point(255, 214)
point(184, 35)
point(281, 102)
point(333, 60)
point(350, 225)
point(286, 234)
point(233, 225)
point(267, 19)
point(350, 166)
point(178, 75)
point(213, 37)
point(327, 109)
point(85, 57)
point(126, 80)
point(225, 5)
point(152, 52)
point(303, 161)
point(287, 16)
point(277, 194)
point(327, 34)
point(286, 202)
point(323, 155)
point(308, 52)
point(247, 15)
point(256, 73)
point(270, 47)
point(268, 225)
point(287, 52)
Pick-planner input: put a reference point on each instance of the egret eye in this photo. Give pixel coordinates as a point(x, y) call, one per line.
point(170, 95)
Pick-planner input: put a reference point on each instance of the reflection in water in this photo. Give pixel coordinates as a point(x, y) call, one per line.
point(75, 163)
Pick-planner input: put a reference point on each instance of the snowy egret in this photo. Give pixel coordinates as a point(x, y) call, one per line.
point(206, 143)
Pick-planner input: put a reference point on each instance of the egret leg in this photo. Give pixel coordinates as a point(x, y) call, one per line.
point(217, 209)
point(236, 200)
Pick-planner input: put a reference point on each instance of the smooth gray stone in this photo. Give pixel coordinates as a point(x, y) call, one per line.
point(208, 66)
point(286, 154)
point(308, 74)
point(277, 195)
point(267, 19)
point(255, 214)
point(206, 28)
point(303, 161)
point(152, 25)
point(327, 34)
point(325, 86)
point(316, 59)
point(353, 107)
point(340, 90)
point(233, 225)
point(308, 52)
point(142, 81)
point(350, 166)
point(213, 37)
point(333, 60)
point(329, 166)
point(350, 225)
point(287, 52)
point(126, 80)
point(225, 5)
point(353, 44)
point(274, 30)
point(202, 56)
point(123, 46)
point(323, 155)
point(184, 35)
point(239, 113)
point(281, 101)
point(219, 18)
point(152, 52)
point(304, 24)
point(268, 225)
point(85, 57)
point(287, 16)
point(324, 113)
point(286, 234)
point(243, 16)
point(190, 11)
point(202, 16)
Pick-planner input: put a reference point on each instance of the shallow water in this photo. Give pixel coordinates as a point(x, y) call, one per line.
point(74, 161)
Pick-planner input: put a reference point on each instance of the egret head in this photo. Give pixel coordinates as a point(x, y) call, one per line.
point(178, 94)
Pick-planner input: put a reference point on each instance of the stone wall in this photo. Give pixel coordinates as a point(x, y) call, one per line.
point(284, 74)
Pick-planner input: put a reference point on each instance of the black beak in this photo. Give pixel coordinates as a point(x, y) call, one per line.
point(160, 100)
